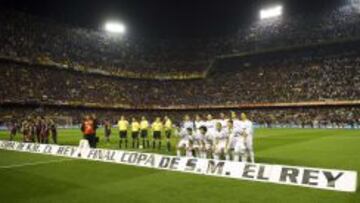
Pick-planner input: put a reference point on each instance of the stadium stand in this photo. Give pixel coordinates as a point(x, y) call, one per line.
point(57, 66)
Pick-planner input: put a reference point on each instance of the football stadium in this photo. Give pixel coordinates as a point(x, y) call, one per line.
point(180, 101)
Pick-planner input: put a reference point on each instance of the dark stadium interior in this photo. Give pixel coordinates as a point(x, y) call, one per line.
point(186, 18)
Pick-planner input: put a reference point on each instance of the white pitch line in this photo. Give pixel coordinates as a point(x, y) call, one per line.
point(34, 163)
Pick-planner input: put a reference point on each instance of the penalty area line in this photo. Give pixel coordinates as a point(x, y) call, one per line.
point(35, 163)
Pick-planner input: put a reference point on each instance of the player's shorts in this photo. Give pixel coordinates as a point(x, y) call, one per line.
point(157, 134)
point(197, 145)
point(135, 135)
point(249, 143)
point(220, 146)
point(107, 133)
point(168, 134)
point(144, 134)
point(123, 134)
point(239, 146)
point(184, 144)
point(232, 144)
point(208, 146)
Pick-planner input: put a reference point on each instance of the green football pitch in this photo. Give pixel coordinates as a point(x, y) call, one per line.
point(28, 177)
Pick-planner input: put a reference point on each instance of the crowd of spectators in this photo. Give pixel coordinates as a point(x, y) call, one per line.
point(284, 80)
point(32, 47)
point(37, 40)
point(41, 41)
point(295, 30)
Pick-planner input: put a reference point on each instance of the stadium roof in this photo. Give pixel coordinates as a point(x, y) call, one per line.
point(186, 18)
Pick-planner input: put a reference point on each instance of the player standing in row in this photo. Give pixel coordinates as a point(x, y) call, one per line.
point(157, 127)
point(236, 121)
point(168, 128)
point(199, 142)
point(241, 139)
point(13, 127)
point(223, 120)
point(123, 125)
point(107, 130)
point(144, 127)
point(247, 131)
point(236, 145)
point(135, 129)
point(187, 123)
point(210, 124)
point(198, 122)
point(220, 141)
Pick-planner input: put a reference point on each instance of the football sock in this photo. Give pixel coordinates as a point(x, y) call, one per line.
point(252, 156)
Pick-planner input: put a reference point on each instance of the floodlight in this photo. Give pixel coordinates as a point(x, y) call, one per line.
point(115, 27)
point(271, 12)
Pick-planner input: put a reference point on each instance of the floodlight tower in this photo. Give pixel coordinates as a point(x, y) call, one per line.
point(271, 12)
point(115, 27)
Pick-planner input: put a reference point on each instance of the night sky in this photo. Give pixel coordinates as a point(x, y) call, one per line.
point(170, 18)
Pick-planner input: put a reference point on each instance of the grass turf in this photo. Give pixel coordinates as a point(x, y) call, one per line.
point(28, 177)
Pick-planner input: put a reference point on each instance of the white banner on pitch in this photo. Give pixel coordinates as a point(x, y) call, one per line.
point(329, 179)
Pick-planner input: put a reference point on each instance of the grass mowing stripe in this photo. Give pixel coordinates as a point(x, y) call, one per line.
point(35, 163)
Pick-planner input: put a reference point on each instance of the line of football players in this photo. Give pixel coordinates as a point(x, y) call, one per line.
point(34, 129)
point(230, 139)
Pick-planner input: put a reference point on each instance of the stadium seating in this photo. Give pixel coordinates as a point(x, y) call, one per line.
point(43, 63)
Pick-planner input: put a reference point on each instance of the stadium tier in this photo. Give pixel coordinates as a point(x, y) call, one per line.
point(298, 79)
point(36, 40)
point(48, 64)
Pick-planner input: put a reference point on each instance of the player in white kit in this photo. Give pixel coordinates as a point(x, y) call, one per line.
point(198, 142)
point(223, 120)
point(220, 141)
point(231, 143)
point(210, 124)
point(248, 132)
point(187, 123)
point(198, 122)
point(185, 142)
point(236, 146)
point(236, 121)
